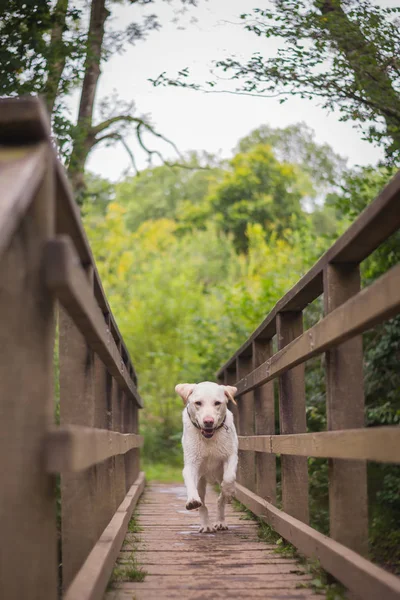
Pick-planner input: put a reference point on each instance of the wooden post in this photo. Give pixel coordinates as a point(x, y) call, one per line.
point(348, 500)
point(292, 419)
point(247, 459)
point(28, 548)
point(77, 407)
point(230, 379)
point(264, 411)
point(117, 425)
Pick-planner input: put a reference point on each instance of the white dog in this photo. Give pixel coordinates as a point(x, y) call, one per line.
point(210, 447)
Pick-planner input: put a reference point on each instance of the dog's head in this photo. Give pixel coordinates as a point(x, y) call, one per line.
point(207, 403)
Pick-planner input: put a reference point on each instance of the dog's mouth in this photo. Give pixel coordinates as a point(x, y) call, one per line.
point(207, 433)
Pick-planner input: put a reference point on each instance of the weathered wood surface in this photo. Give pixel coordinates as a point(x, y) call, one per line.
point(381, 444)
point(366, 580)
point(28, 537)
point(21, 171)
point(92, 578)
point(74, 448)
point(292, 419)
point(375, 304)
point(264, 422)
point(66, 278)
point(348, 495)
point(181, 563)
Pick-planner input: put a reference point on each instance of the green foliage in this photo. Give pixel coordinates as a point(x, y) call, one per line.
point(257, 189)
point(296, 145)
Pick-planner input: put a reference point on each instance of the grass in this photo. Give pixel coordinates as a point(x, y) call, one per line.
point(321, 582)
point(164, 473)
point(131, 570)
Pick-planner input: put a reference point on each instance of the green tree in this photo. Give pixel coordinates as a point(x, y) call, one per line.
point(257, 189)
point(52, 48)
point(345, 53)
point(165, 191)
point(296, 144)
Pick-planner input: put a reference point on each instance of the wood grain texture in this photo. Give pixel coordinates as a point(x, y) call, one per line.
point(264, 423)
point(21, 171)
point(359, 575)
point(67, 280)
point(348, 495)
point(375, 224)
point(292, 419)
point(372, 305)
point(78, 489)
point(73, 448)
point(180, 562)
point(28, 548)
point(91, 580)
point(380, 444)
point(247, 460)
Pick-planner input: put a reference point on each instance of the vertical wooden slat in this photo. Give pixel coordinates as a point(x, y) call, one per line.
point(105, 492)
point(292, 419)
point(348, 501)
point(77, 407)
point(264, 417)
point(28, 546)
point(117, 425)
point(247, 460)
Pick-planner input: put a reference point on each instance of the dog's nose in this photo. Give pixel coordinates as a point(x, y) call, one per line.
point(208, 422)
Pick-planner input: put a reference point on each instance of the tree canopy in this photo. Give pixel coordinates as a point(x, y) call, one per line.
point(342, 52)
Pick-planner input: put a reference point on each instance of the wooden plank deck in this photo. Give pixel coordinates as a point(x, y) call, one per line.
point(182, 563)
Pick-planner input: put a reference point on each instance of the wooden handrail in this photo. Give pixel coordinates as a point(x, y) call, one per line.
point(372, 305)
point(73, 448)
point(379, 444)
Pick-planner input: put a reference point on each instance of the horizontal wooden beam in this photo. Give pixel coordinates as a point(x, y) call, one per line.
point(91, 581)
point(66, 278)
point(74, 448)
point(381, 444)
point(21, 171)
point(374, 225)
point(374, 304)
point(69, 222)
point(359, 575)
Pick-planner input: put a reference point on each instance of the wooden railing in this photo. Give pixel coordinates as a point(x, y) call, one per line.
point(349, 311)
point(50, 291)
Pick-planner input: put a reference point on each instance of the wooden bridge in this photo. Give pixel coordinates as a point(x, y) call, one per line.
point(70, 482)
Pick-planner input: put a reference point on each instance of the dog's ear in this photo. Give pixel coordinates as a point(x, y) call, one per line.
point(184, 390)
point(230, 391)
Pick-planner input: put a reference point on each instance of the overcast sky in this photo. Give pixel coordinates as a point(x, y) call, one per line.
point(195, 120)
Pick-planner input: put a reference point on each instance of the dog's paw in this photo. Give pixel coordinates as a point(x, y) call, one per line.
point(206, 529)
point(193, 503)
point(220, 526)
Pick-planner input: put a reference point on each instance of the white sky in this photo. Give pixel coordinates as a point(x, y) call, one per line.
point(195, 120)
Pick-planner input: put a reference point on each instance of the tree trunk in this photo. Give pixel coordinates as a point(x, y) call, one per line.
point(84, 139)
point(57, 57)
point(370, 75)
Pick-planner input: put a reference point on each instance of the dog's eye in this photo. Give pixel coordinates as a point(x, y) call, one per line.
point(217, 403)
point(198, 403)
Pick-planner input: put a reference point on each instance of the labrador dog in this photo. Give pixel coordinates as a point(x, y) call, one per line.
point(210, 447)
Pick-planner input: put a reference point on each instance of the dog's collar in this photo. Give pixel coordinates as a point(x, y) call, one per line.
point(198, 426)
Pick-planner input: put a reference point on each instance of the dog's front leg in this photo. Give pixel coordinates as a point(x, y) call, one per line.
point(191, 477)
point(229, 477)
point(227, 491)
